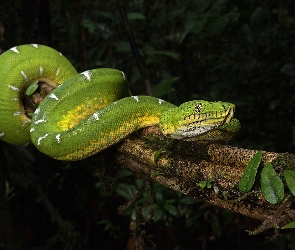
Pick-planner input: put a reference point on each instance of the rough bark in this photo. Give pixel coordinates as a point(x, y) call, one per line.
point(188, 163)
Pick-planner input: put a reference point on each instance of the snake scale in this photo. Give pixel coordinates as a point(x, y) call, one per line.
point(90, 111)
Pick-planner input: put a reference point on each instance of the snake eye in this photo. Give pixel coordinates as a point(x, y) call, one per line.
point(224, 106)
point(198, 107)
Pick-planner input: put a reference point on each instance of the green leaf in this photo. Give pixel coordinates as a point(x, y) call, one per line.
point(89, 25)
point(272, 186)
point(203, 184)
point(164, 87)
point(32, 88)
point(157, 154)
point(122, 46)
point(248, 178)
point(209, 184)
point(217, 27)
point(206, 183)
point(171, 208)
point(156, 173)
point(158, 214)
point(172, 55)
point(288, 69)
point(289, 225)
point(290, 180)
point(194, 24)
point(135, 16)
point(258, 18)
point(124, 173)
point(125, 194)
point(109, 15)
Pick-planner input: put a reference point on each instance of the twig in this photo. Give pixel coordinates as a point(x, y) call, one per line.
point(140, 63)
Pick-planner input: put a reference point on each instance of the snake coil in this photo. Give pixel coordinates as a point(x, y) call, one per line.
point(88, 112)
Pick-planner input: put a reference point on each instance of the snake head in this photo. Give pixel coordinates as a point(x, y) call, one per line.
point(195, 118)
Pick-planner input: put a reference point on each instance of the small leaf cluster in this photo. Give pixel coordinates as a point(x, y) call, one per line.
point(206, 183)
point(272, 186)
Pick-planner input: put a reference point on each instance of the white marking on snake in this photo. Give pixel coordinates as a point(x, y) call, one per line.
point(41, 138)
point(53, 96)
point(37, 111)
point(60, 53)
point(40, 121)
point(35, 45)
point(14, 49)
point(95, 115)
point(87, 75)
point(57, 71)
point(160, 101)
point(124, 76)
point(77, 130)
point(14, 99)
point(1, 134)
point(25, 76)
point(32, 129)
point(27, 121)
point(40, 70)
point(17, 113)
point(58, 138)
point(26, 144)
point(14, 87)
point(136, 98)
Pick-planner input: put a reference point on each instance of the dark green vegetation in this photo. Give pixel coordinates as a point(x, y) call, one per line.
point(236, 51)
point(272, 186)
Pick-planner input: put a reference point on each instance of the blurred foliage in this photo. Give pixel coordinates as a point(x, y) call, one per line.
point(236, 51)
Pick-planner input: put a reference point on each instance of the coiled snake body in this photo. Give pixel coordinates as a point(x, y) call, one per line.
point(90, 111)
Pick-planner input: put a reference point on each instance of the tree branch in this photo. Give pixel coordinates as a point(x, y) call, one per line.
point(190, 163)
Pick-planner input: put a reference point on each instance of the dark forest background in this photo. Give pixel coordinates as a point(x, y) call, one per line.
point(237, 51)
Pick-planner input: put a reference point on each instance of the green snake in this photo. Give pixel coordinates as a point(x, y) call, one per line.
point(90, 111)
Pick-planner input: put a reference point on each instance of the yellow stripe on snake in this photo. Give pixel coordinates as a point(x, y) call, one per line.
point(90, 111)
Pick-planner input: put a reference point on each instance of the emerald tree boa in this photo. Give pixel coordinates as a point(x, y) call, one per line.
point(90, 111)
